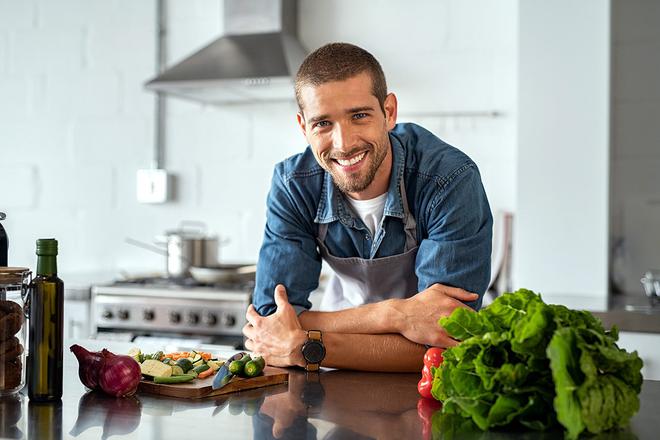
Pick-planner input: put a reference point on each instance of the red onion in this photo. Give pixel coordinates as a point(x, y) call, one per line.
point(119, 375)
point(90, 364)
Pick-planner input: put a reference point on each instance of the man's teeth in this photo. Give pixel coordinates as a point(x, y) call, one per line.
point(352, 161)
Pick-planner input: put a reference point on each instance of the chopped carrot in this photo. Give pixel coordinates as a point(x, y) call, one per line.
point(205, 374)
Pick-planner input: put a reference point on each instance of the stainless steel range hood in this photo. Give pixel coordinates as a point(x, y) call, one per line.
point(255, 60)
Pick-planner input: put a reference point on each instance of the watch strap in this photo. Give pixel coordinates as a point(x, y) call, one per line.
point(314, 335)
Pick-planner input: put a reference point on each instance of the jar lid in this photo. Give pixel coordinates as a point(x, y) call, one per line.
point(13, 275)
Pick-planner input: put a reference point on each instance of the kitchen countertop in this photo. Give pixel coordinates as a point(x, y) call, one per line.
point(631, 313)
point(333, 405)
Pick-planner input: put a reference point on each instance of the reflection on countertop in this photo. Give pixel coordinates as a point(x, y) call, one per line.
point(331, 405)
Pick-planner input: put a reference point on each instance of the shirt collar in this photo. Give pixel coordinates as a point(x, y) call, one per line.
point(332, 205)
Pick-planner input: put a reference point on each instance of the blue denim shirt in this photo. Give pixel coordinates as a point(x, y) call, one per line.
point(445, 195)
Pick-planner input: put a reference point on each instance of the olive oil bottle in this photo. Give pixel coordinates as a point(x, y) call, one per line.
point(46, 326)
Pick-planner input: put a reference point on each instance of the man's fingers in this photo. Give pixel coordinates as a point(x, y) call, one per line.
point(251, 315)
point(248, 331)
point(249, 344)
point(457, 293)
point(281, 298)
point(278, 429)
point(444, 340)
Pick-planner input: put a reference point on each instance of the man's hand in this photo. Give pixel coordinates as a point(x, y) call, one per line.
point(419, 314)
point(278, 337)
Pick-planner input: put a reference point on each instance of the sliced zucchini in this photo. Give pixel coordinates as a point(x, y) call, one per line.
point(201, 368)
point(185, 364)
point(152, 367)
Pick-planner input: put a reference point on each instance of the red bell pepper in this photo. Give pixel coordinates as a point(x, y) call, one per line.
point(432, 358)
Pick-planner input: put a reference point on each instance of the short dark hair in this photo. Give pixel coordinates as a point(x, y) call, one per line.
point(337, 62)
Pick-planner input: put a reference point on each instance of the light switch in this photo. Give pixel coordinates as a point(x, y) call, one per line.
point(153, 186)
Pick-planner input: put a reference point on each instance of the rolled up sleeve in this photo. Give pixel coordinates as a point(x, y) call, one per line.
point(457, 250)
point(288, 254)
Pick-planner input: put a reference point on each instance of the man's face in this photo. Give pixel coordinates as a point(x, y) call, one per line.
point(348, 132)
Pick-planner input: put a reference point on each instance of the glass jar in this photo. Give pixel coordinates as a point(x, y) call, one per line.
point(14, 284)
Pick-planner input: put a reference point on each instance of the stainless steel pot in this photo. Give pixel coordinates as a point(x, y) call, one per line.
point(188, 245)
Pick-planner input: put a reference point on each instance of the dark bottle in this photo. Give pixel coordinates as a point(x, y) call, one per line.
point(46, 326)
point(4, 243)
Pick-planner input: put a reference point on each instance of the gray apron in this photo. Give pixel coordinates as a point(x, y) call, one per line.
point(358, 281)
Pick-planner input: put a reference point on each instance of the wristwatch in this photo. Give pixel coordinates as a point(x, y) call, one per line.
point(313, 350)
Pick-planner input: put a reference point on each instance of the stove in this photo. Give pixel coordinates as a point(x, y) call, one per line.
point(166, 308)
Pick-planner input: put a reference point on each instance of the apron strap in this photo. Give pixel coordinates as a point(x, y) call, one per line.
point(410, 226)
point(323, 230)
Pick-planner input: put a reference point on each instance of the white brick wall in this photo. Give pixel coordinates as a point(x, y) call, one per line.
point(76, 123)
point(635, 186)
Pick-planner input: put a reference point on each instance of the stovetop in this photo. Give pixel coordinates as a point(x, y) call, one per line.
point(149, 305)
point(179, 283)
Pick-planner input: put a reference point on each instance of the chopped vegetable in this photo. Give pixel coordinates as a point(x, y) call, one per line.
point(185, 364)
point(206, 373)
point(152, 367)
point(201, 368)
point(254, 367)
point(174, 379)
point(236, 367)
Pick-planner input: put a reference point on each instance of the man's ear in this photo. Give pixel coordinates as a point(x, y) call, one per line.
point(301, 123)
point(391, 107)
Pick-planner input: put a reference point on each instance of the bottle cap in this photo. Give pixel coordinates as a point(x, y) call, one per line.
point(47, 246)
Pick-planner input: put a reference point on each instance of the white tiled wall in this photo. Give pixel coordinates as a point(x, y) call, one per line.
point(76, 123)
point(635, 172)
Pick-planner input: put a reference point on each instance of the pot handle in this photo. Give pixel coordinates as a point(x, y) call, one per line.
point(146, 246)
point(192, 226)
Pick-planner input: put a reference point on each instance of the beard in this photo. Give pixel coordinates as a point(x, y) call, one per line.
point(360, 180)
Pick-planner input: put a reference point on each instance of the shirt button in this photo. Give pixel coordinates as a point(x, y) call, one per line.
point(367, 237)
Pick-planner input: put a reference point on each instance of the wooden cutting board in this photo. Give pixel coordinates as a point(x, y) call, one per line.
point(200, 388)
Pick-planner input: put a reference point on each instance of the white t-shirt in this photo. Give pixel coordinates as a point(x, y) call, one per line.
point(370, 211)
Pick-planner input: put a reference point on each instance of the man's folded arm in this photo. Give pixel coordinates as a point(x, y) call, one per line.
point(385, 353)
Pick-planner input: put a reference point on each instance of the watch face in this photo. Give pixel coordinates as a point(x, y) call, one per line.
point(313, 352)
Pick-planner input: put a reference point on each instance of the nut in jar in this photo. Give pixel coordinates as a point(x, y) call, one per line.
point(14, 282)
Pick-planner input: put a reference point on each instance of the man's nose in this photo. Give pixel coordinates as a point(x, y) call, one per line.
point(343, 137)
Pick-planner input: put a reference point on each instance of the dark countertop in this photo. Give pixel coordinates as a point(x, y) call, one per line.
point(631, 313)
point(334, 405)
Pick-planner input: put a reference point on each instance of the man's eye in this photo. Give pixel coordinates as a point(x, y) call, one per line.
point(322, 124)
point(360, 115)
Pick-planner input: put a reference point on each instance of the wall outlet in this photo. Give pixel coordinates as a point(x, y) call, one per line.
point(153, 186)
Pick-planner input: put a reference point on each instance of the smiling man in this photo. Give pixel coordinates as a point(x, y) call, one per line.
point(400, 216)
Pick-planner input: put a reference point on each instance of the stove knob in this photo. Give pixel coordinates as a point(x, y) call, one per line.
point(193, 318)
point(148, 315)
point(175, 317)
point(123, 315)
point(107, 314)
point(210, 319)
point(229, 320)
